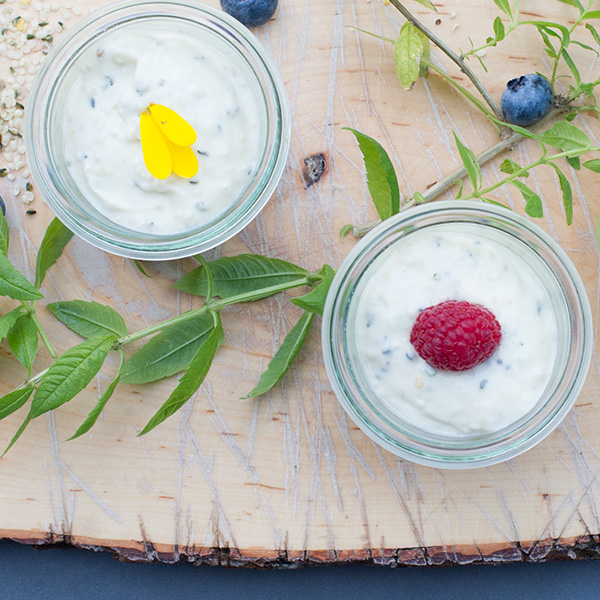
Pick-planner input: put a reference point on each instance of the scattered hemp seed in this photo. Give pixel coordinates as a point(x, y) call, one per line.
point(30, 211)
point(29, 187)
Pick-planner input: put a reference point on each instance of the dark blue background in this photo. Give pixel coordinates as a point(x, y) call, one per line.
point(71, 573)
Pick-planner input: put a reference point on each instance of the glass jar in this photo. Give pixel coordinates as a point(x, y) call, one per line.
point(526, 244)
point(45, 138)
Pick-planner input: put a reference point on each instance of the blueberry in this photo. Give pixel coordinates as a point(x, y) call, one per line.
point(2, 206)
point(526, 100)
point(252, 13)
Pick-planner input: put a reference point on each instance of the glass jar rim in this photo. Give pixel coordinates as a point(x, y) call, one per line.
point(454, 452)
point(249, 202)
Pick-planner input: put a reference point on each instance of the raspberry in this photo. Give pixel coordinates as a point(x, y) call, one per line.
point(455, 335)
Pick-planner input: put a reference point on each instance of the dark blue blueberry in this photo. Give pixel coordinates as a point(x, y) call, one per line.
point(2, 206)
point(251, 13)
point(526, 100)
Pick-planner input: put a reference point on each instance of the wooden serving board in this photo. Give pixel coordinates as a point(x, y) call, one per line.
point(288, 479)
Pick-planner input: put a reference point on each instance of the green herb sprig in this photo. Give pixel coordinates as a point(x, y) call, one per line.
point(412, 52)
point(184, 344)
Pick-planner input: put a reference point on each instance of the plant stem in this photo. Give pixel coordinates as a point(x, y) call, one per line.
point(43, 336)
point(451, 55)
point(211, 305)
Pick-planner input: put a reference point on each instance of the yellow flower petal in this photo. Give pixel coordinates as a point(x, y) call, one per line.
point(185, 162)
point(175, 128)
point(157, 156)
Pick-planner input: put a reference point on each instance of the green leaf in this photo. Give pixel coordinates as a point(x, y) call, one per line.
point(470, 162)
point(427, 4)
point(510, 167)
point(574, 162)
point(14, 400)
point(575, 3)
point(533, 203)
point(8, 320)
point(314, 301)
point(593, 165)
point(13, 283)
point(504, 6)
point(140, 267)
point(499, 31)
point(567, 193)
point(566, 137)
point(593, 14)
point(425, 54)
point(169, 352)
point(522, 131)
point(419, 198)
point(4, 234)
point(408, 50)
point(191, 380)
point(345, 230)
point(70, 374)
point(549, 28)
point(594, 33)
point(284, 357)
point(89, 319)
point(460, 184)
point(18, 434)
point(381, 177)
point(23, 341)
point(57, 236)
point(569, 61)
point(97, 410)
point(241, 274)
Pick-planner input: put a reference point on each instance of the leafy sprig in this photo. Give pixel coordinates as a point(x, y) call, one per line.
point(185, 344)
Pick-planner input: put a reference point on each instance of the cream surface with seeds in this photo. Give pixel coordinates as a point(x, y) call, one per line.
point(115, 80)
point(441, 263)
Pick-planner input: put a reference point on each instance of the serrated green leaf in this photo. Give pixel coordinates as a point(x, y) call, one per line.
point(572, 67)
point(97, 410)
point(408, 50)
point(499, 31)
point(594, 33)
point(241, 274)
point(8, 320)
point(593, 14)
point(427, 4)
point(89, 319)
point(191, 380)
point(504, 6)
point(314, 301)
point(57, 236)
point(533, 203)
point(593, 165)
point(567, 193)
point(14, 400)
point(23, 341)
point(70, 374)
point(566, 137)
point(345, 230)
point(4, 234)
point(284, 357)
point(510, 167)
point(381, 177)
point(169, 352)
point(13, 283)
point(470, 163)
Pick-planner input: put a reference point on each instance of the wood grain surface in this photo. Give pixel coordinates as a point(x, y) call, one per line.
point(288, 479)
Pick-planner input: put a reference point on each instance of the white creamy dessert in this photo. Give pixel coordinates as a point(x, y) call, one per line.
point(159, 62)
point(454, 262)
